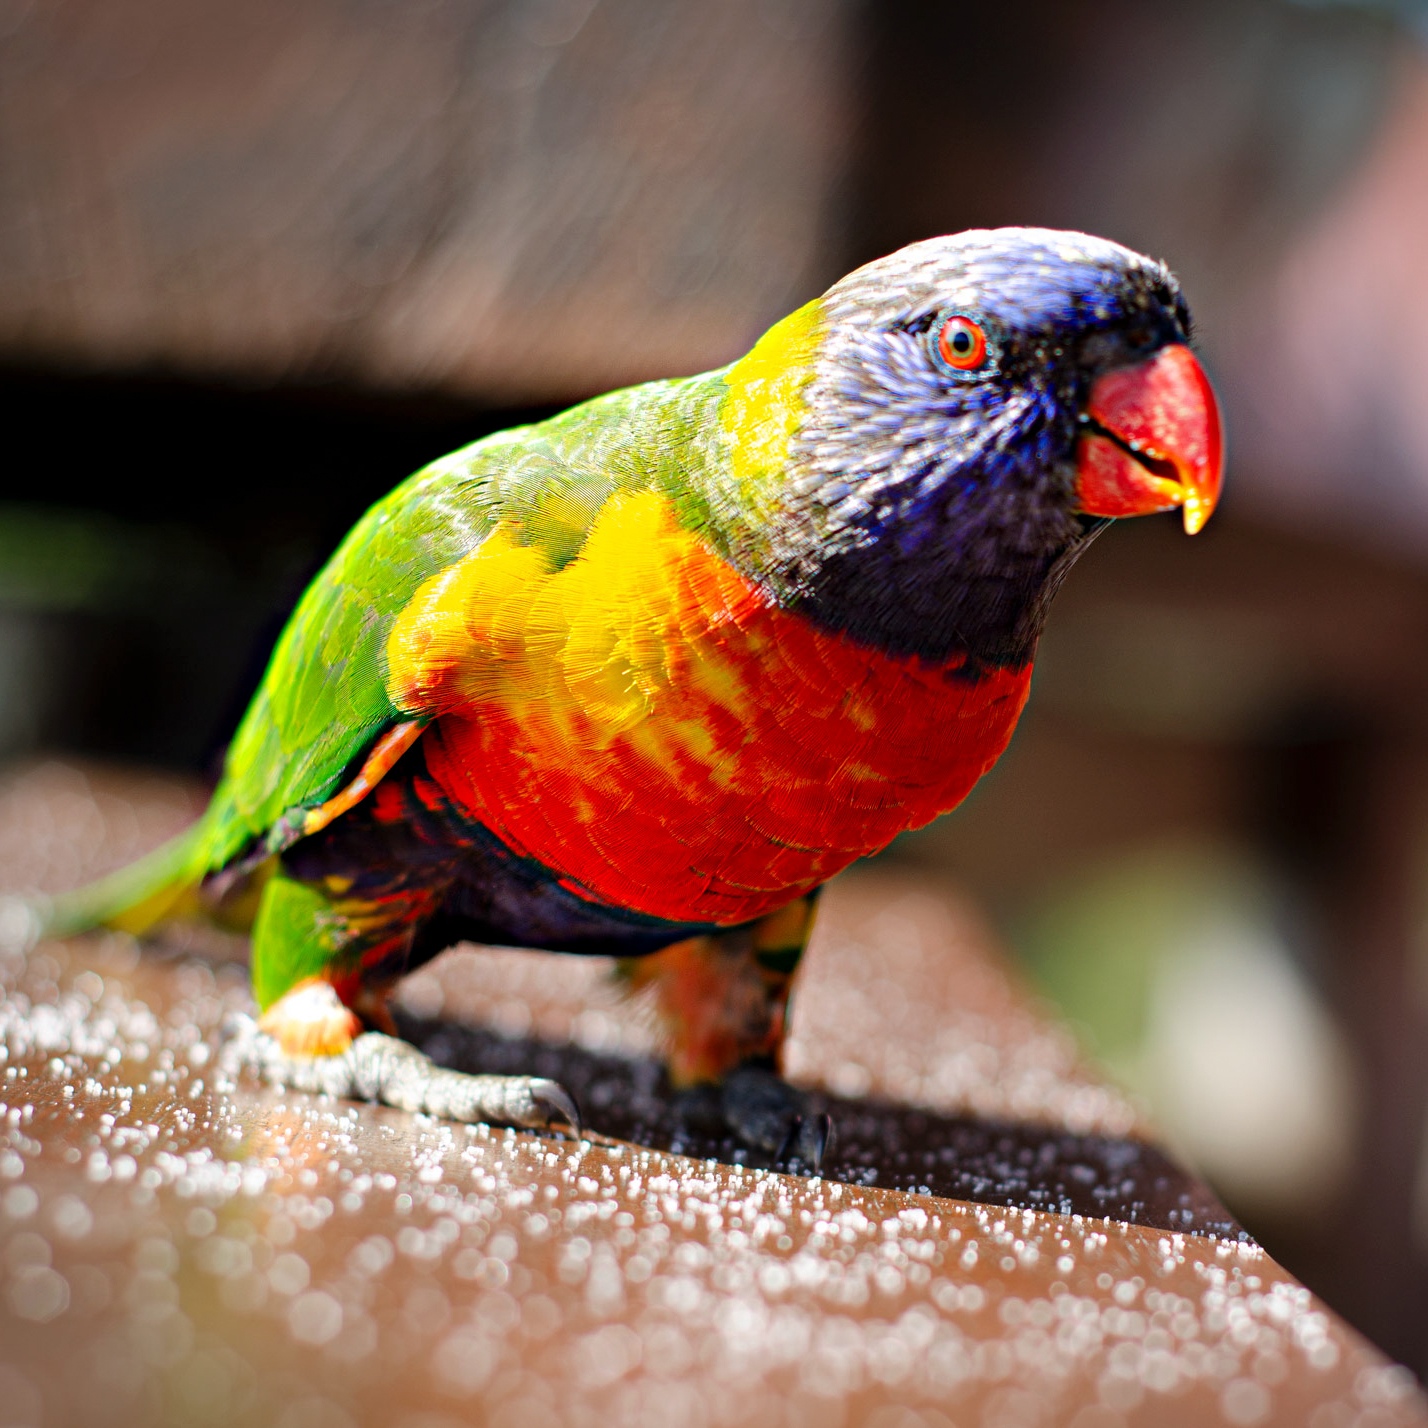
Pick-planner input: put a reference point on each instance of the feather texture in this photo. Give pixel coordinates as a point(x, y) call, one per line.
point(650, 726)
point(660, 666)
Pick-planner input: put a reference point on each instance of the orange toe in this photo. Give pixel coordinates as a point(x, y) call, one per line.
point(310, 1020)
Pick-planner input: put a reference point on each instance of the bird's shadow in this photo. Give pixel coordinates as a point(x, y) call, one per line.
point(880, 1143)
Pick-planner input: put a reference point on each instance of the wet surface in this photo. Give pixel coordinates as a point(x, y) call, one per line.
point(175, 1248)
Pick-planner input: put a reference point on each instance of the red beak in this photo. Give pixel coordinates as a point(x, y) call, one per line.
point(1152, 441)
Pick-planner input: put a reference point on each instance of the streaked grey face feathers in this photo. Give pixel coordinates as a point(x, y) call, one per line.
point(931, 511)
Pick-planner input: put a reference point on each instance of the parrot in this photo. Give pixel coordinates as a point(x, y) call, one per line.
point(637, 680)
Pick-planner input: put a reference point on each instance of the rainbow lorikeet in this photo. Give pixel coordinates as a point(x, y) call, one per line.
point(638, 679)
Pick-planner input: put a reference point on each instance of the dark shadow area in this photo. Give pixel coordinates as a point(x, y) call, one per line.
point(249, 464)
point(876, 1143)
point(155, 533)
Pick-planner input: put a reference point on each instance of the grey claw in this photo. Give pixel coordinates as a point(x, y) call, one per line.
point(382, 1068)
point(812, 1137)
point(552, 1097)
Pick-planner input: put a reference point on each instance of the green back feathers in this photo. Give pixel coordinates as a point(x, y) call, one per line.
point(713, 444)
point(324, 699)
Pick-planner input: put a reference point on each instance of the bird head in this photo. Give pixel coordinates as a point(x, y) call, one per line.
point(969, 412)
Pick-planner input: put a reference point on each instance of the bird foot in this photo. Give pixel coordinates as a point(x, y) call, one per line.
point(765, 1112)
point(385, 1069)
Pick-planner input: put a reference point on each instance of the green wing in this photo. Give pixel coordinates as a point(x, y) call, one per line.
point(323, 701)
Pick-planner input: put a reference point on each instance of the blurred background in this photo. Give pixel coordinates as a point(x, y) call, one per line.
point(259, 261)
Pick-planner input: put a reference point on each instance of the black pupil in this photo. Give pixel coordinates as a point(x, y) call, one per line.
point(961, 341)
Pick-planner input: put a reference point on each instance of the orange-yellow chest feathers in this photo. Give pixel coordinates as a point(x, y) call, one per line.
point(648, 725)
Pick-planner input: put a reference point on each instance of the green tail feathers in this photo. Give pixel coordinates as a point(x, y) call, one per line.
point(164, 884)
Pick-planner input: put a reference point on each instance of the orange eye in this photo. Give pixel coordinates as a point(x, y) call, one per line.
point(961, 344)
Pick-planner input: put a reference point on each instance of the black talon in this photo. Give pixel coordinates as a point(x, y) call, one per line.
point(561, 1105)
point(765, 1112)
point(807, 1139)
